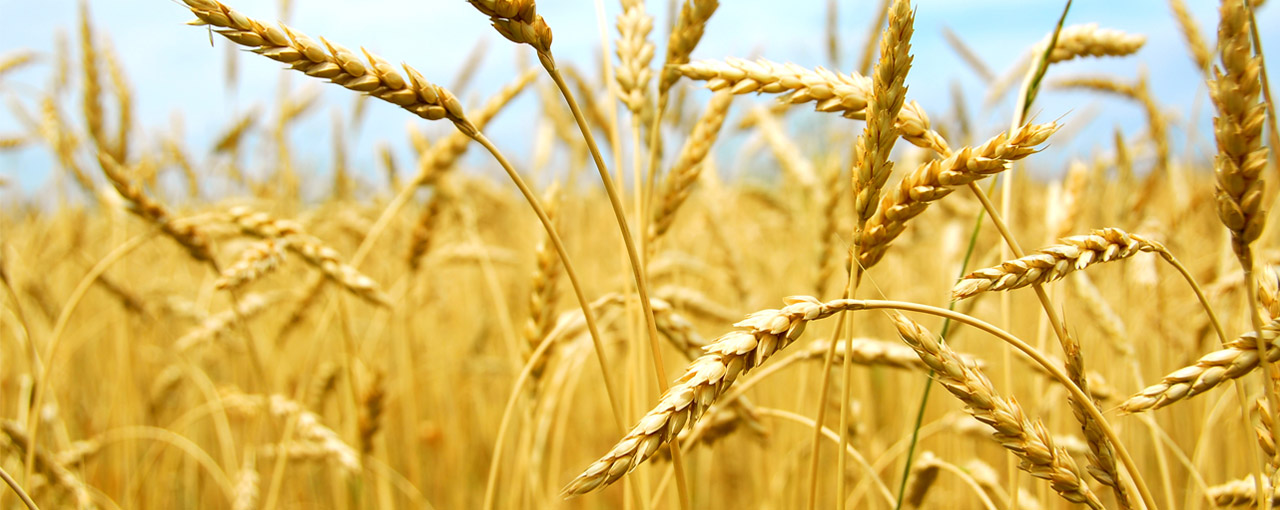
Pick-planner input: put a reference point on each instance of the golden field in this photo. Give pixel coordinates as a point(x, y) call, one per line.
point(904, 313)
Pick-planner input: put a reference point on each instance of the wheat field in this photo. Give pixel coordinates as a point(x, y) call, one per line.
point(890, 308)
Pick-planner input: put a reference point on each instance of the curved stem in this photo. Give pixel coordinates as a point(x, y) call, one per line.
point(64, 317)
point(17, 489)
point(1086, 402)
point(490, 488)
point(587, 314)
point(637, 268)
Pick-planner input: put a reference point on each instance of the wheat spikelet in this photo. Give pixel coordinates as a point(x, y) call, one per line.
point(233, 134)
point(1235, 89)
point(332, 62)
point(1090, 41)
point(635, 51)
point(1239, 357)
point(679, 181)
point(685, 36)
point(63, 143)
point(1239, 493)
point(312, 250)
point(1263, 431)
point(124, 103)
point(424, 229)
point(1029, 440)
point(1052, 262)
point(936, 179)
point(728, 357)
point(91, 100)
point(16, 59)
point(254, 262)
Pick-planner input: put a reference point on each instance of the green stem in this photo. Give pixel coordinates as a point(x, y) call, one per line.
point(928, 383)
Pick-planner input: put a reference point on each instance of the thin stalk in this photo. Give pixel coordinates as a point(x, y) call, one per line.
point(928, 384)
point(845, 394)
point(17, 489)
point(569, 272)
point(64, 318)
point(1052, 314)
point(1058, 374)
point(637, 267)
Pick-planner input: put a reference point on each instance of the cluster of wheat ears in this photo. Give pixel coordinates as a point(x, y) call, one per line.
point(411, 342)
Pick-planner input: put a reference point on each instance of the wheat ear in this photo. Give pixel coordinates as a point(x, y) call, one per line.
point(846, 94)
point(1055, 261)
point(1238, 358)
point(1027, 439)
point(936, 179)
point(1091, 41)
point(335, 63)
point(1235, 89)
point(311, 249)
point(766, 332)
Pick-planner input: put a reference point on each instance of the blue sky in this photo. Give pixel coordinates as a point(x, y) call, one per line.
point(173, 69)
